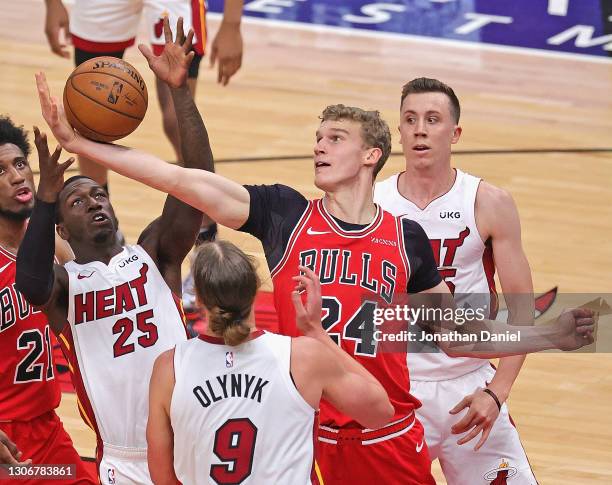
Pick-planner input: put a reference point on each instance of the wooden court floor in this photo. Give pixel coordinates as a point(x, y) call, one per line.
point(510, 101)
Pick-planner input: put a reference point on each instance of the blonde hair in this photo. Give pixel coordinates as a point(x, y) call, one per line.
point(374, 130)
point(226, 283)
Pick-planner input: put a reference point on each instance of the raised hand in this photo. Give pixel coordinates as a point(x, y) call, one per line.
point(308, 317)
point(227, 50)
point(172, 66)
point(51, 172)
point(53, 113)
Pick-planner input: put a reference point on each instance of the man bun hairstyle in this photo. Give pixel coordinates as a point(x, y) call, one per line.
point(226, 283)
point(428, 85)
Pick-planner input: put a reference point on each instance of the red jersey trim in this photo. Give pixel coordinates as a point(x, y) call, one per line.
point(333, 436)
point(219, 341)
point(8, 254)
point(488, 263)
point(179, 306)
point(85, 408)
point(294, 234)
point(402, 248)
point(100, 47)
point(350, 234)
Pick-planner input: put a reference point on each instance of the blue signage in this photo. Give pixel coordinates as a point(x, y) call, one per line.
point(577, 26)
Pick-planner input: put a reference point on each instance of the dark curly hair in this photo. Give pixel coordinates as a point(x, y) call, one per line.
point(16, 135)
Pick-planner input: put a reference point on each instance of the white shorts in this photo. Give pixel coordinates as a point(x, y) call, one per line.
point(124, 466)
point(112, 25)
point(502, 455)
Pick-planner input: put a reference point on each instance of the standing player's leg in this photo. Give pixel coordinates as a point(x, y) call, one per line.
point(102, 28)
point(194, 17)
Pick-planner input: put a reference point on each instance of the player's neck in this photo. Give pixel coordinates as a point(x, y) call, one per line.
point(351, 206)
point(86, 253)
point(11, 233)
point(423, 185)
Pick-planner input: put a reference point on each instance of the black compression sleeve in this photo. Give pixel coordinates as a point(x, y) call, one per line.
point(34, 278)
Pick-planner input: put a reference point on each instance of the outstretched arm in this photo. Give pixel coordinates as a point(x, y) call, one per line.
point(571, 331)
point(225, 201)
point(40, 282)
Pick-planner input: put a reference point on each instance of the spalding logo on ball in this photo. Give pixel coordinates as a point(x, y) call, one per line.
point(105, 99)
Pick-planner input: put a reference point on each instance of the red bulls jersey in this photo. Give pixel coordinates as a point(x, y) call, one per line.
point(27, 379)
point(359, 270)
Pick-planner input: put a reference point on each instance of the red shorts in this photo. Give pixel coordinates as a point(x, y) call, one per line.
point(395, 454)
point(45, 441)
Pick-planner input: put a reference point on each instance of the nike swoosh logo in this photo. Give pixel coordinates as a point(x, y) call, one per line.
point(419, 447)
point(311, 232)
point(5, 266)
point(82, 277)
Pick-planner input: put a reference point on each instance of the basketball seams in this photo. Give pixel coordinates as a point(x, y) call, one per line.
point(72, 112)
point(103, 105)
point(127, 81)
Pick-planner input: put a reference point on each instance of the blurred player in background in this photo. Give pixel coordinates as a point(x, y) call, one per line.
point(474, 228)
point(244, 402)
point(108, 27)
point(29, 392)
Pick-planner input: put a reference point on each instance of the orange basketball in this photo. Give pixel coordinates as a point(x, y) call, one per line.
point(105, 99)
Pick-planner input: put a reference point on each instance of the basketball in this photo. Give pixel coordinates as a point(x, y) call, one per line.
point(105, 99)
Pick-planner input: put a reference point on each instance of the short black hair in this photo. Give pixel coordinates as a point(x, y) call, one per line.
point(58, 215)
point(428, 85)
point(13, 134)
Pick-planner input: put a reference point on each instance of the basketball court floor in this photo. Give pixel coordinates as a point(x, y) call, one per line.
point(536, 124)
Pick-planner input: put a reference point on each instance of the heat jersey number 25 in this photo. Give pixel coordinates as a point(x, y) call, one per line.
point(124, 327)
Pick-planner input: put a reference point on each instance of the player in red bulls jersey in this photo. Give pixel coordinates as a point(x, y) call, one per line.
point(473, 228)
point(363, 255)
point(29, 392)
point(114, 308)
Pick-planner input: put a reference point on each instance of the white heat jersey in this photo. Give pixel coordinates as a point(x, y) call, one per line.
point(237, 416)
point(122, 316)
point(464, 261)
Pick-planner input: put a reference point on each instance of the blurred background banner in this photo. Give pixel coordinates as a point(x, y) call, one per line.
point(576, 26)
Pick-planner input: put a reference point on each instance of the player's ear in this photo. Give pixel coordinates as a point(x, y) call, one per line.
point(372, 156)
point(62, 231)
point(456, 134)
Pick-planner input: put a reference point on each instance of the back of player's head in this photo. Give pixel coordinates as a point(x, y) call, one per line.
point(374, 129)
point(428, 85)
point(226, 282)
point(15, 135)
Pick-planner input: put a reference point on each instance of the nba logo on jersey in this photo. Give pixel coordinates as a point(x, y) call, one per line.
point(111, 476)
point(229, 359)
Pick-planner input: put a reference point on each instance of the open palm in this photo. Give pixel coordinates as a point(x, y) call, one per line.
point(172, 65)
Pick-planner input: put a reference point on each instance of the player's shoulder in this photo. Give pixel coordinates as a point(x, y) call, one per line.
point(307, 349)
point(492, 198)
